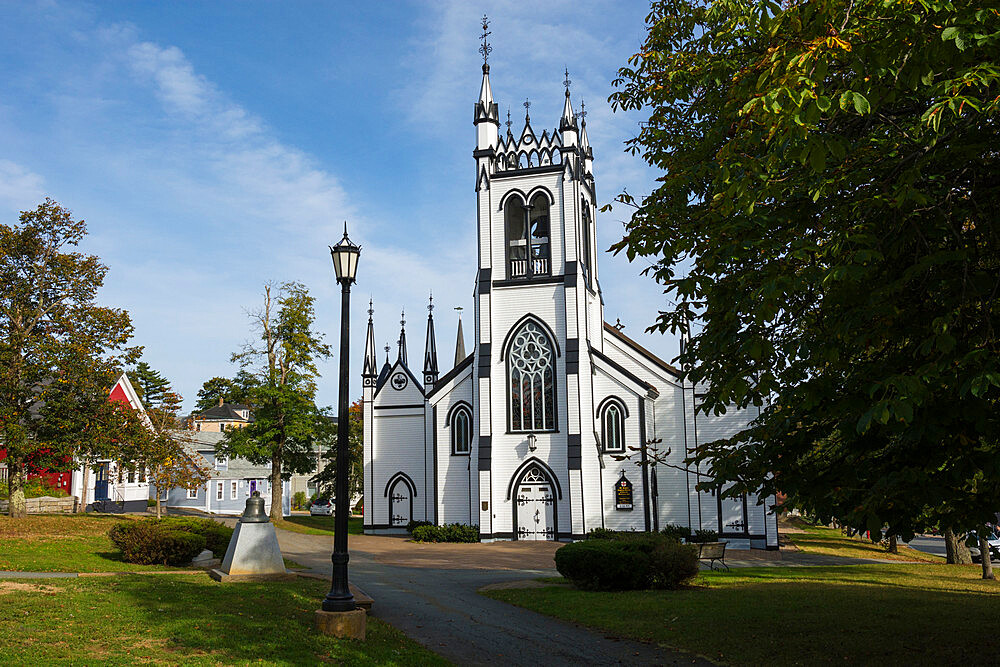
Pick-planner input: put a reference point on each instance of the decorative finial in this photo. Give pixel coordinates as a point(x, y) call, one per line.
point(582, 113)
point(508, 120)
point(402, 318)
point(345, 229)
point(618, 324)
point(485, 49)
point(430, 303)
point(387, 348)
point(567, 82)
point(526, 105)
point(459, 309)
point(371, 308)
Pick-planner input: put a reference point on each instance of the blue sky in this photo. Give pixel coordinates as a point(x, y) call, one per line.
point(214, 146)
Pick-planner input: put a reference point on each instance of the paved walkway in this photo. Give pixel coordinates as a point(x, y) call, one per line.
point(441, 608)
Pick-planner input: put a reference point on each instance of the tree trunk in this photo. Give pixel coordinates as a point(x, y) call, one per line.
point(958, 553)
point(893, 545)
point(158, 494)
point(83, 487)
point(276, 488)
point(984, 550)
point(17, 506)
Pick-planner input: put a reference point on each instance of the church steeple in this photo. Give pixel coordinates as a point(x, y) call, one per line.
point(567, 122)
point(460, 354)
point(369, 371)
point(487, 117)
point(402, 339)
point(430, 349)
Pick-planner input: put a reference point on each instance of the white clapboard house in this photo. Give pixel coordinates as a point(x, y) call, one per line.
point(519, 437)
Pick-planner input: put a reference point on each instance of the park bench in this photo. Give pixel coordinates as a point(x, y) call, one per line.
point(713, 552)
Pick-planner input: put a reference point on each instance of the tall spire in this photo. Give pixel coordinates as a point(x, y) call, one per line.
point(584, 140)
point(402, 338)
point(430, 349)
point(486, 108)
point(369, 370)
point(568, 120)
point(460, 354)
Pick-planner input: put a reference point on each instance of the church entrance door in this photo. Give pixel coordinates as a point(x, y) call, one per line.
point(400, 504)
point(535, 508)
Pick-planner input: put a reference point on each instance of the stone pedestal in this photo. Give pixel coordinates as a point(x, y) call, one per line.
point(343, 624)
point(253, 553)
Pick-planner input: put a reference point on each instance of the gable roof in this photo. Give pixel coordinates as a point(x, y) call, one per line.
point(384, 377)
point(225, 411)
point(451, 375)
point(643, 352)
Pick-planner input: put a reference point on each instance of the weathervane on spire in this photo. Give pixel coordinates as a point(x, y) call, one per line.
point(582, 113)
point(402, 319)
point(566, 81)
point(526, 105)
point(485, 49)
point(430, 303)
point(371, 308)
point(459, 309)
point(508, 120)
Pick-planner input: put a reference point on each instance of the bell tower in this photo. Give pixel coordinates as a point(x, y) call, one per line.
point(538, 310)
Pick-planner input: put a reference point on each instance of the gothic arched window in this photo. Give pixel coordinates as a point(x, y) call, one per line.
point(613, 427)
point(461, 431)
point(539, 226)
point(531, 380)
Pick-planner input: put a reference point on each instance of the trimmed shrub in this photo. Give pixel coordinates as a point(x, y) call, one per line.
point(627, 561)
point(602, 534)
point(451, 532)
point(150, 543)
point(676, 532)
point(416, 524)
point(704, 536)
point(216, 535)
point(427, 533)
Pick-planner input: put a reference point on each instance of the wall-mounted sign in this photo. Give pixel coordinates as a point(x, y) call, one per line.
point(623, 493)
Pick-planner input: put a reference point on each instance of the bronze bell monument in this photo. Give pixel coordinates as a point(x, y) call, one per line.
point(254, 511)
point(253, 552)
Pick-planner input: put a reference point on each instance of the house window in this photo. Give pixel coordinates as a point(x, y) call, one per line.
point(233, 489)
point(531, 380)
point(218, 491)
point(222, 427)
point(192, 494)
point(461, 431)
point(131, 475)
point(220, 462)
point(613, 426)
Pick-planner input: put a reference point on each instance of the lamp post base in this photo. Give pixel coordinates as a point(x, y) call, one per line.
point(343, 624)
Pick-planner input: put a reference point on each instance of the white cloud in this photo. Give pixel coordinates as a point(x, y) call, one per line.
point(20, 188)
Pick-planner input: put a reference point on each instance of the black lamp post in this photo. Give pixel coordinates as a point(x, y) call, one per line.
point(345, 262)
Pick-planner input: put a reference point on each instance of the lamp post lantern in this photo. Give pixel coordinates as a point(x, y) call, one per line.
point(345, 262)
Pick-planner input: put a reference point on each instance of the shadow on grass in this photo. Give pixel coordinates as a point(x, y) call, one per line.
point(322, 525)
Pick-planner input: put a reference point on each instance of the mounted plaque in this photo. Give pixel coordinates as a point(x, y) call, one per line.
point(623, 493)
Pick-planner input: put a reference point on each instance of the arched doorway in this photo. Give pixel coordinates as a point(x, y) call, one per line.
point(400, 503)
point(534, 505)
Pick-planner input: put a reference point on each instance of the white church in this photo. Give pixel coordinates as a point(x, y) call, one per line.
point(519, 438)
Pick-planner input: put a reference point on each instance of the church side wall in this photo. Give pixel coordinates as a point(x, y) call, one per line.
point(398, 447)
point(455, 503)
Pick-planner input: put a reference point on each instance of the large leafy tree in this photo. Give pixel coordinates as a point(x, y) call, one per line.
point(230, 390)
point(327, 477)
point(59, 349)
point(282, 363)
point(827, 219)
point(151, 386)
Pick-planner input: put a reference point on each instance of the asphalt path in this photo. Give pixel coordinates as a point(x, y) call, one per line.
point(441, 609)
point(929, 544)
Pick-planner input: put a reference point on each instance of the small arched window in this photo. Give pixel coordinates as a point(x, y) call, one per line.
point(461, 431)
point(613, 426)
point(531, 380)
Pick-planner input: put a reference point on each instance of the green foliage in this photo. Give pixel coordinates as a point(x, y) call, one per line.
point(326, 478)
point(627, 561)
point(450, 532)
point(282, 365)
point(217, 536)
point(299, 500)
point(676, 532)
point(602, 534)
point(827, 213)
point(149, 384)
point(413, 524)
point(34, 488)
point(704, 536)
point(50, 319)
point(235, 390)
point(149, 542)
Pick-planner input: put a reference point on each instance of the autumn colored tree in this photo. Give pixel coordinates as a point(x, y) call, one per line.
point(59, 349)
point(827, 217)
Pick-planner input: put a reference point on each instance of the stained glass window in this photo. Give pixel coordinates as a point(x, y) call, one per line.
point(531, 369)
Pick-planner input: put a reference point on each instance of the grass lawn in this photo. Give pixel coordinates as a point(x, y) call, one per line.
point(63, 543)
point(832, 542)
point(182, 619)
point(318, 525)
point(867, 614)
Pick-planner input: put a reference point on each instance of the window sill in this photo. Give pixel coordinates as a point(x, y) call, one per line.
point(534, 280)
point(461, 453)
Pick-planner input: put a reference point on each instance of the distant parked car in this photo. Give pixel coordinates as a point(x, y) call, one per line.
point(321, 507)
point(992, 539)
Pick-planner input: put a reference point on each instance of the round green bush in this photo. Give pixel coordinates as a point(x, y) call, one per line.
point(150, 543)
point(217, 535)
point(450, 532)
point(414, 524)
point(427, 534)
point(627, 561)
